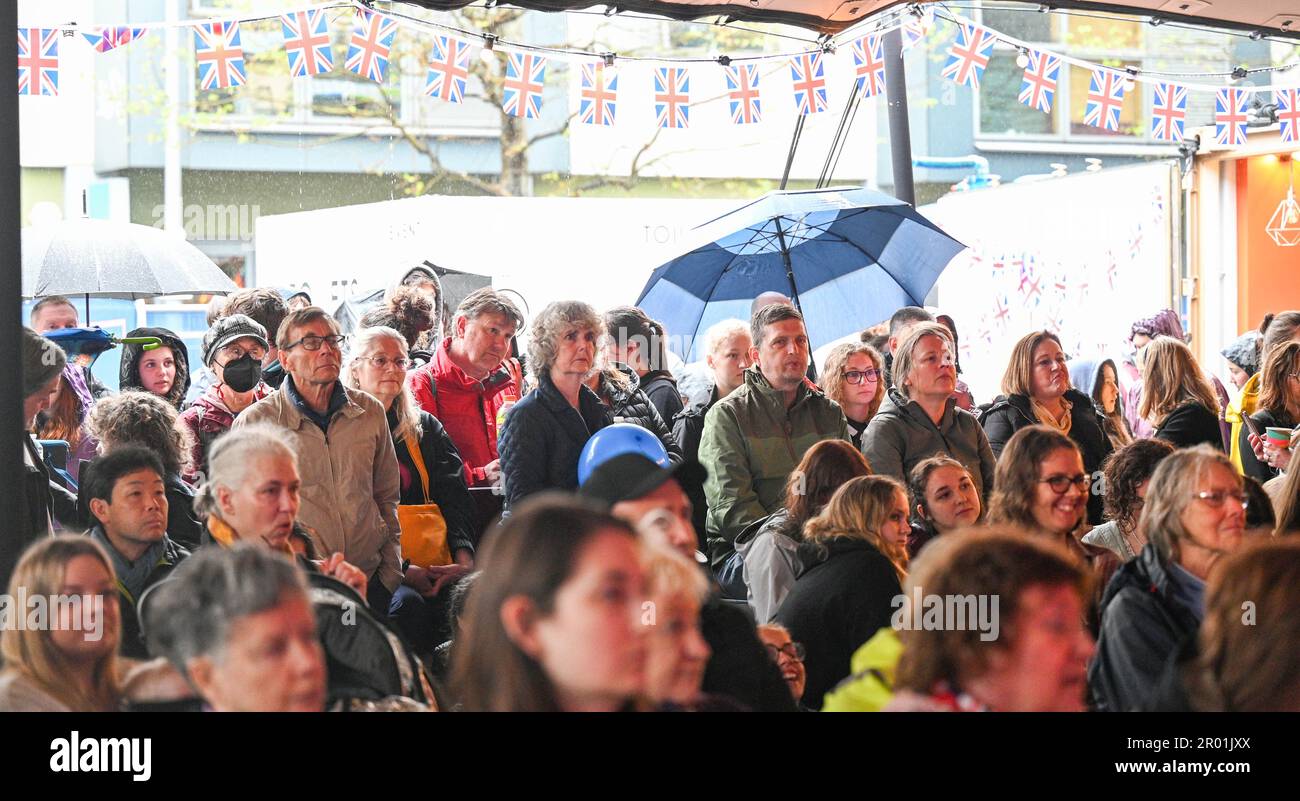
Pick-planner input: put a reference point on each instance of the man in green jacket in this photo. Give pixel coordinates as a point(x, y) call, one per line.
point(754, 438)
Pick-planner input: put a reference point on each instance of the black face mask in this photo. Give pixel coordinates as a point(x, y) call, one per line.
point(242, 374)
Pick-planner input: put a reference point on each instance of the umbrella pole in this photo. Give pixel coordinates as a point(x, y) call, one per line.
point(900, 133)
point(789, 268)
point(86, 321)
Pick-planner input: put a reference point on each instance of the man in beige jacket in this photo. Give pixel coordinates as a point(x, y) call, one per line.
point(350, 484)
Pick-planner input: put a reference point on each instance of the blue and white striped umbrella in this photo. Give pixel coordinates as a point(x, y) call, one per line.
point(848, 257)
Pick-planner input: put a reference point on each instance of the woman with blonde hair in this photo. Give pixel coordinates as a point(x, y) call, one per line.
point(854, 377)
point(676, 651)
point(837, 604)
point(1176, 397)
point(71, 664)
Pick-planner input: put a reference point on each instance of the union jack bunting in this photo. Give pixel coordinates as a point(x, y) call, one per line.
point(38, 61)
point(106, 39)
point(1230, 107)
point(448, 70)
point(1105, 99)
point(371, 42)
point(809, 76)
point(742, 90)
point(672, 97)
point(869, 62)
point(916, 29)
point(598, 100)
point(307, 43)
point(1169, 113)
point(1288, 113)
point(219, 54)
point(522, 88)
point(969, 55)
point(1039, 86)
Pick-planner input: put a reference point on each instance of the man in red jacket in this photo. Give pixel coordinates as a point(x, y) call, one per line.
point(472, 380)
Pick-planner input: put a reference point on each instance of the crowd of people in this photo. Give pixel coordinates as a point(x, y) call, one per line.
point(416, 515)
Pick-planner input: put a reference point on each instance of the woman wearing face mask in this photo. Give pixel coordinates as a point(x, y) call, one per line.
point(233, 348)
point(1100, 380)
point(163, 370)
point(1036, 391)
point(839, 602)
point(944, 499)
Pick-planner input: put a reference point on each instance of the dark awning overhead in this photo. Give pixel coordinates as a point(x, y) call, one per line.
point(1272, 17)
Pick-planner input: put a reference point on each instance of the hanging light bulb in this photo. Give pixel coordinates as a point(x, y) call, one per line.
point(1284, 226)
point(1022, 60)
point(1130, 80)
point(488, 53)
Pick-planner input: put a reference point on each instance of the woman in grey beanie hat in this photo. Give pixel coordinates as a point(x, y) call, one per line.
point(1243, 356)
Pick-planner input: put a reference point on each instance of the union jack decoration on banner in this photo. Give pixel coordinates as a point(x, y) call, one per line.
point(522, 88)
point(219, 54)
point(449, 69)
point(107, 39)
point(38, 61)
point(599, 96)
point(1001, 308)
point(742, 89)
point(1288, 113)
point(1039, 86)
point(1230, 107)
point(672, 97)
point(809, 76)
point(869, 61)
point(1105, 99)
point(969, 55)
point(916, 29)
point(371, 42)
point(1169, 114)
point(307, 43)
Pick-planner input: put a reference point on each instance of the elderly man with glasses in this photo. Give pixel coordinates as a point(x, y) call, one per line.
point(350, 479)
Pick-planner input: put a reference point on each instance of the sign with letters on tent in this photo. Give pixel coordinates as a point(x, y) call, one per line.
point(367, 48)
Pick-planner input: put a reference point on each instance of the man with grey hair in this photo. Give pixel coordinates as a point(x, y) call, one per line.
point(472, 380)
point(238, 624)
point(754, 437)
point(350, 480)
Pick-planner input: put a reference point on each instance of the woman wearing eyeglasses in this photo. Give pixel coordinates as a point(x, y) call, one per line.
point(853, 376)
point(1278, 407)
point(431, 472)
point(1036, 391)
point(1041, 486)
point(1194, 515)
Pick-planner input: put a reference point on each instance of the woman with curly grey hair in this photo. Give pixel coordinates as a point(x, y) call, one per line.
point(148, 420)
point(545, 432)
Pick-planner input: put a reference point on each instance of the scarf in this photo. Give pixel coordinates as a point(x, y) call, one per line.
point(1045, 417)
point(225, 536)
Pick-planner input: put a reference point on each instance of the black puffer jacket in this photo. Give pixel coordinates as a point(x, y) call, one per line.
point(661, 388)
point(129, 373)
point(1010, 413)
point(688, 426)
point(542, 438)
point(630, 404)
point(1141, 627)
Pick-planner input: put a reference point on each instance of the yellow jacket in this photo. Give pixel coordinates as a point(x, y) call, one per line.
point(1247, 403)
point(871, 685)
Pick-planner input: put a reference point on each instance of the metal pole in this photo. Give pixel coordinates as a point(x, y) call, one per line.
point(900, 134)
point(172, 125)
point(13, 499)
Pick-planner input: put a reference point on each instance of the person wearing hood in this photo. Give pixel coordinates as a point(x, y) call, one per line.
point(233, 349)
point(1242, 355)
point(1100, 380)
point(295, 299)
point(1165, 323)
point(919, 418)
point(424, 278)
point(641, 343)
point(163, 370)
point(1274, 330)
point(620, 390)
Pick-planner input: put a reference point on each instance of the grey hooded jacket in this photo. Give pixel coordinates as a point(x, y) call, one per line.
point(901, 435)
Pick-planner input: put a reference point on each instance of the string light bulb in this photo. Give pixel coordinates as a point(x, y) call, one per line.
point(488, 53)
point(1130, 80)
point(1022, 60)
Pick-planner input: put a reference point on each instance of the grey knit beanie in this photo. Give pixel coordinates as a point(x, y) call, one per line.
point(42, 361)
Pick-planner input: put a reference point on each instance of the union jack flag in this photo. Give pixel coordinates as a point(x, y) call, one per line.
point(307, 43)
point(1105, 100)
point(1169, 114)
point(106, 39)
point(742, 89)
point(219, 54)
point(522, 88)
point(916, 29)
point(599, 97)
point(368, 49)
point(1039, 86)
point(969, 55)
point(1230, 107)
point(38, 61)
point(1001, 308)
point(1112, 269)
point(809, 76)
point(1288, 113)
point(672, 97)
point(869, 59)
point(448, 70)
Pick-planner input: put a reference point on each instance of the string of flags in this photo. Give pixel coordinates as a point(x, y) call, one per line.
point(308, 48)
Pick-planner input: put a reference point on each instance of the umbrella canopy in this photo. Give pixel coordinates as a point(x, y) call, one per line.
point(115, 260)
point(848, 258)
